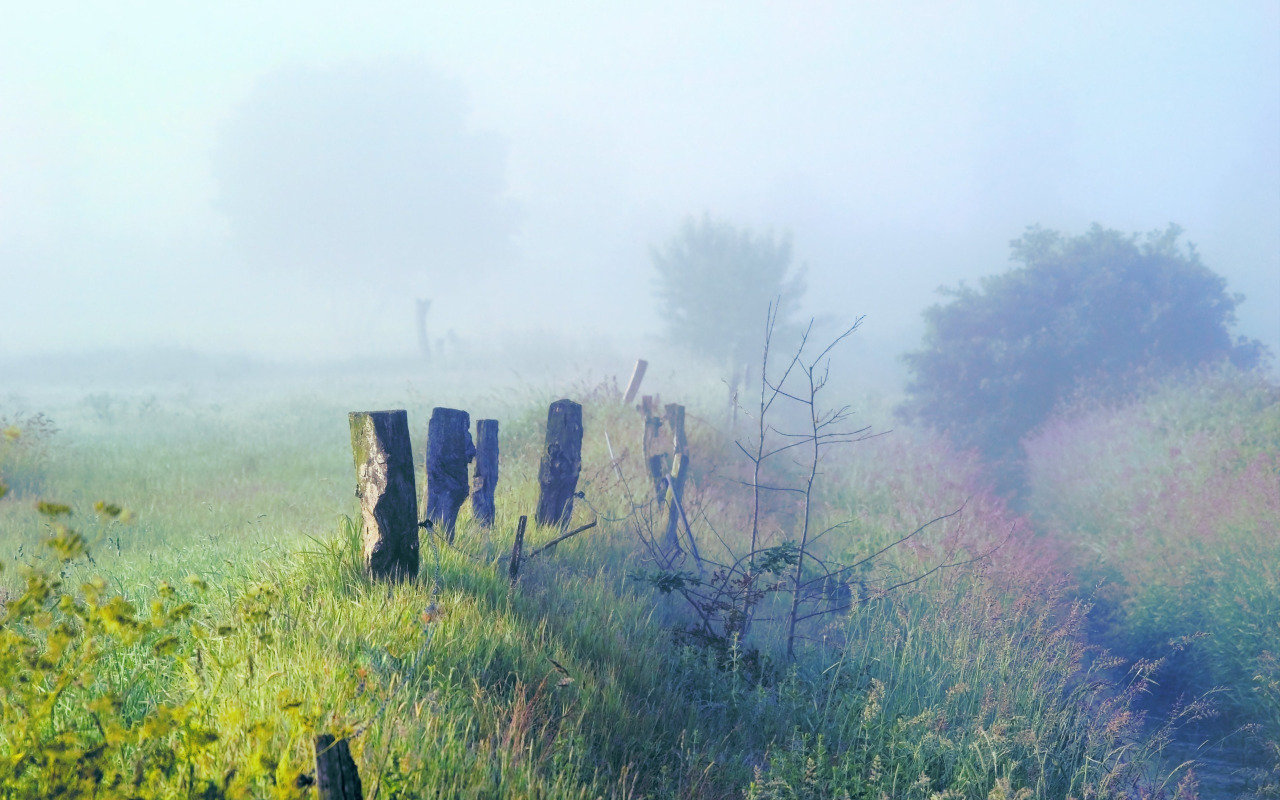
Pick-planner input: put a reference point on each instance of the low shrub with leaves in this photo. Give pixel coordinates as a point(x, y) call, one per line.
point(82, 674)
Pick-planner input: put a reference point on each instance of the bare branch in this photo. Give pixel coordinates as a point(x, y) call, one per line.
point(551, 544)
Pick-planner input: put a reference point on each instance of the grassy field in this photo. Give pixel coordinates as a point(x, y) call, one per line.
point(231, 622)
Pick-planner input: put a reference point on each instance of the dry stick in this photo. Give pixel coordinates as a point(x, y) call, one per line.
point(893, 544)
point(549, 545)
point(920, 577)
point(693, 545)
point(514, 570)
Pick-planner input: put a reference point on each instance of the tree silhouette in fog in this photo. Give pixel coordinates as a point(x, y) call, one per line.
point(366, 166)
point(1095, 311)
point(715, 282)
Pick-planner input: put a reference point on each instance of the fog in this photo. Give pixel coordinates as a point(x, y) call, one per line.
point(280, 181)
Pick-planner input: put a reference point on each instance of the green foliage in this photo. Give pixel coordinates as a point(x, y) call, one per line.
point(1092, 309)
point(714, 284)
point(67, 726)
point(564, 686)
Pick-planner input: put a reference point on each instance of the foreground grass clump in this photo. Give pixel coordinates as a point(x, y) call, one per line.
point(972, 682)
point(1173, 500)
point(77, 720)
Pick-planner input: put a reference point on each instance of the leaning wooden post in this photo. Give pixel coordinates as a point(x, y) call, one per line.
point(336, 775)
point(385, 486)
point(633, 385)
point(657, 455)
point(674, 418)
point(517, 549)
point(486, 475)
point(561, 463)
point(449, 450)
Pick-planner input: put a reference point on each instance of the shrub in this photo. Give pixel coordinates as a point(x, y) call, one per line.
point(73, 721)
point(1095, 309)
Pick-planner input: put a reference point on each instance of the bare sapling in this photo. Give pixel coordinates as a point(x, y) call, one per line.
point(725, 602)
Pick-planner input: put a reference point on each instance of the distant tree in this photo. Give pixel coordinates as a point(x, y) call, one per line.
point(363, 166)
point(1095, 310)
point(715, 282)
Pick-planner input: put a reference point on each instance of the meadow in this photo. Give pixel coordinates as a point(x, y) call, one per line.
point(192, 635)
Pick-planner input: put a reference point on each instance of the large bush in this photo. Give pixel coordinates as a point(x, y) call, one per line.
point(1096, 310)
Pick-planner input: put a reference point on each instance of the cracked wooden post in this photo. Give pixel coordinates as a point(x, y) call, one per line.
point(449, 451)
point(561, 463)
point(336, 775)
point(388, 497)
point(486, 474)
point(633, 385)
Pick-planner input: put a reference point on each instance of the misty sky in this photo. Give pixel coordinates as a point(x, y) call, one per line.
point(282, 179)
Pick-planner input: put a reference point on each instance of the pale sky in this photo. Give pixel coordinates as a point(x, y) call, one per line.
point(902, 144)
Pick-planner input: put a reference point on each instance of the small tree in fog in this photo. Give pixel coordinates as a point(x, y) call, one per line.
point(1094, 310)
point(715, 282)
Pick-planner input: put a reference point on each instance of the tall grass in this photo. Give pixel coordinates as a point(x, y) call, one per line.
point(1172, 501)
point(972, 682)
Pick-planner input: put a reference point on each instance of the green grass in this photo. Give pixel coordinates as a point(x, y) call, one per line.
point(974, 682)
point(1172, 502)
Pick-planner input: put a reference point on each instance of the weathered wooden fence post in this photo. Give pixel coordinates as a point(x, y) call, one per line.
point(336, 775)
point(449, 450)
point(657, 455)
point(633, 385)
point(674, 419)
point(561, 463)
point(388, 497)
point(486, 476)
point(517, 549)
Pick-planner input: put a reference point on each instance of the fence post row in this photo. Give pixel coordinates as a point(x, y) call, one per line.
point(449, 450)
point(561, 463)
point(388, 496)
